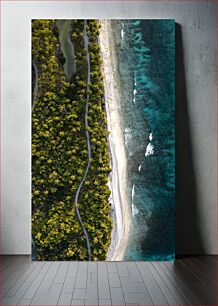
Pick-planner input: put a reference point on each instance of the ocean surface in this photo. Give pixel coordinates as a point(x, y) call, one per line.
point(146, 70)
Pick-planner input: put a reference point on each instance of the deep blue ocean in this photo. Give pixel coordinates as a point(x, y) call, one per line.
point(146, 69)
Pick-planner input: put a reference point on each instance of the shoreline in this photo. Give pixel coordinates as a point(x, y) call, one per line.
point(119, 200)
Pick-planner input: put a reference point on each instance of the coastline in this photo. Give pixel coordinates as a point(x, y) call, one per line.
point(119, 200)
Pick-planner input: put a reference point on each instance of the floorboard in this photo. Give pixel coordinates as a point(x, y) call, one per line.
point(188, 281)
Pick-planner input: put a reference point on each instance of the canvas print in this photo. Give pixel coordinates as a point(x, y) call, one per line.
point(103, 140)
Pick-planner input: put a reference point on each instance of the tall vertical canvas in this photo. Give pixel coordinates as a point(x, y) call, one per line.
point(103, 140)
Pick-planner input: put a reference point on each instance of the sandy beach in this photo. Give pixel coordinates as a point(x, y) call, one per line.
point(119, 200)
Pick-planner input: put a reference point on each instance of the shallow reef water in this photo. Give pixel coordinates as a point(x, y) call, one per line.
point(146, 69)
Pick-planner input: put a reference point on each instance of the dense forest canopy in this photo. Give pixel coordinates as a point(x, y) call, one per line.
point(59, 148)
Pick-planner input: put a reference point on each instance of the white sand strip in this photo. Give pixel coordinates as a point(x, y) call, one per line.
point(121, 214)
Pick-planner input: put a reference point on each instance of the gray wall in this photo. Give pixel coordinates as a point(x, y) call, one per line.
point(196, 113)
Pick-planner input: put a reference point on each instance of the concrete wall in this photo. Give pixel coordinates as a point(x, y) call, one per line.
point(196, 113)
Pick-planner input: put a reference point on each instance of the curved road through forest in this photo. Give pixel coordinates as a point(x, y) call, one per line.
point(86, 46)
point(86, 43)
point(35, 94)
point(36, 87)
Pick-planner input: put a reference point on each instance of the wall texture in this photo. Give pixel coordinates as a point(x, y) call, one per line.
point(196, 113)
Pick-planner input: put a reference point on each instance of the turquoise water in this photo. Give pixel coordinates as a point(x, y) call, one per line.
point(146, 68)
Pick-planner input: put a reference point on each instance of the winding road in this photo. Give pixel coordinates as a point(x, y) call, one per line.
point(36, 87)
point(35, 94)
point(86, 43)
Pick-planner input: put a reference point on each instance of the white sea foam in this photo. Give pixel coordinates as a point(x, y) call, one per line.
point(122, 33)
point(134, 91)
point(135, 83)
point(135, 210)
point(140, 167)
point(134, 94)
point(149, 150)
point(133, 191)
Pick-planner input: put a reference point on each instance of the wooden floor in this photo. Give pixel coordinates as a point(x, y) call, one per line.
point(189, 281)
